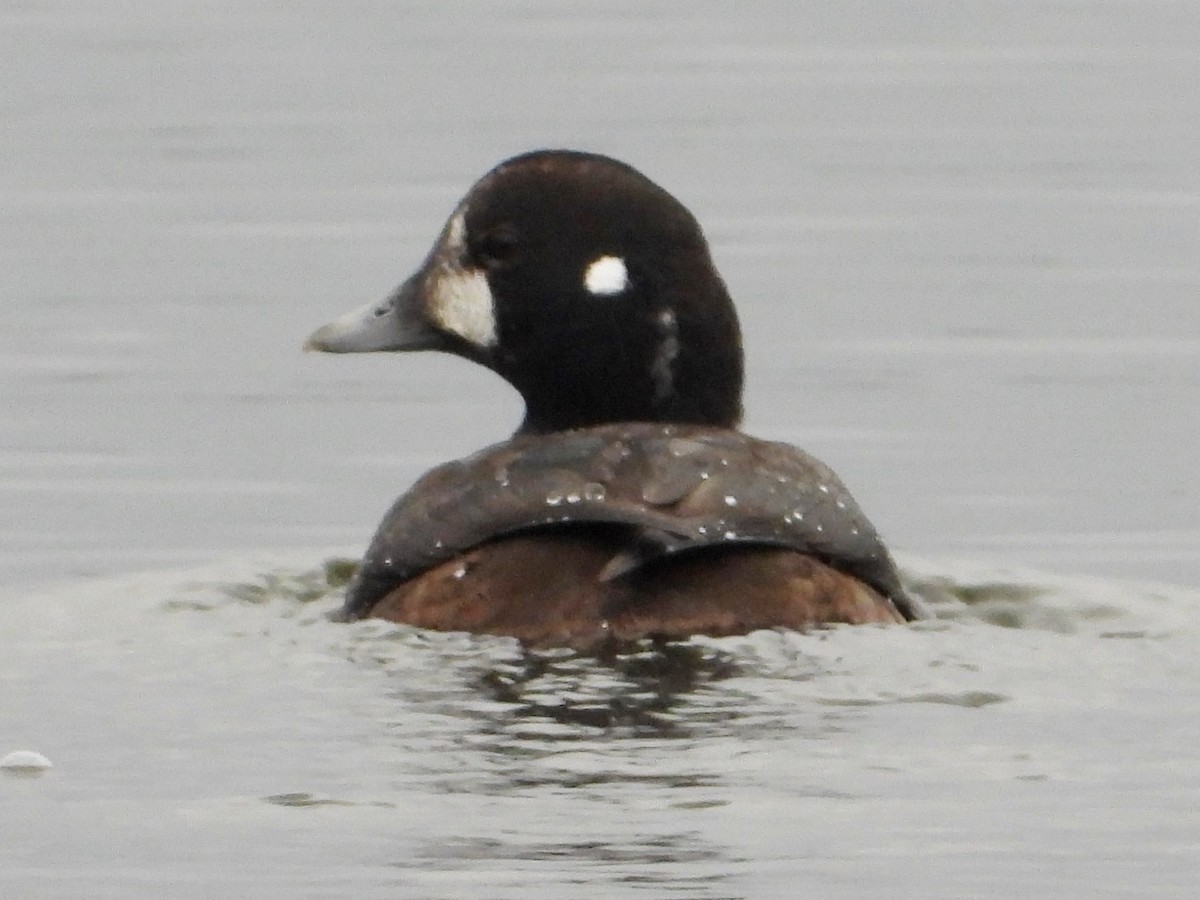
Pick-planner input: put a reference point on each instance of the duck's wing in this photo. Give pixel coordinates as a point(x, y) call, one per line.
point(669, 489)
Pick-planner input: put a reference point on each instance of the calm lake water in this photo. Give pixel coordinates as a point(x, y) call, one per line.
point(964, 242)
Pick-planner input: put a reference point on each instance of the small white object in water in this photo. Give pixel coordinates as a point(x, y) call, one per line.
point(25, 763)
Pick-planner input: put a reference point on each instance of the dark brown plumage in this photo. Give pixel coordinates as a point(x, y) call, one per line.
point(547, 589)
point(627, 505)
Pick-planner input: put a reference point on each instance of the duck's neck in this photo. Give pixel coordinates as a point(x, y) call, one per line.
point(696, 378)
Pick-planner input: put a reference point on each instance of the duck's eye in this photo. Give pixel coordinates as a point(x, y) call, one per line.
point(497, 248)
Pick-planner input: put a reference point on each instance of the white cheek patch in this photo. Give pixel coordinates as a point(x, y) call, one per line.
point(606, 276)
point(461, 302)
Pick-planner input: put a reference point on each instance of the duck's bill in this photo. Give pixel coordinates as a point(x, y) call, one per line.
point(398, 323)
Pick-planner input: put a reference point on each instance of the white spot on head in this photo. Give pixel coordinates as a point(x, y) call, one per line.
point(606, 276)
point(461, 301)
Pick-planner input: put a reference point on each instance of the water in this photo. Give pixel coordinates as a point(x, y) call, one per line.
point(962, 239)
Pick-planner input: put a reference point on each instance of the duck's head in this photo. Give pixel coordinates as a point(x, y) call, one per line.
point(583, 284)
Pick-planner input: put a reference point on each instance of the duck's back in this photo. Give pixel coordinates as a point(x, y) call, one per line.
point(628, 530)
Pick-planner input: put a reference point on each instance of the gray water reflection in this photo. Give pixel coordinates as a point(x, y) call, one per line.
point(670, 865)
point(552, 731)
point(642, 696)
point(219, 730)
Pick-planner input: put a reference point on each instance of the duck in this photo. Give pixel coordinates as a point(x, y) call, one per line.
point(628, 505)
